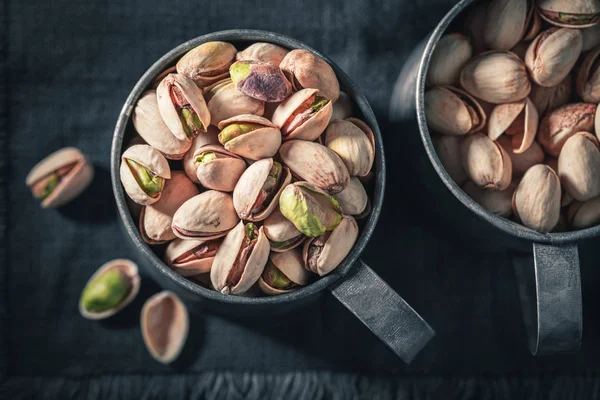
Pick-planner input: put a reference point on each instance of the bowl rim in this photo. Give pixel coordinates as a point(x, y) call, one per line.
point(250, 36)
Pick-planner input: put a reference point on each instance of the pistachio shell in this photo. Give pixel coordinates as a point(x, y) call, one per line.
point(486, 163)
point(523, 161)
point(570, 13)
point(290, 264)
point(189, 164)
point(506, 22)
point(579, 166)
point(452, 111)
point(584, 215)
point(207, 63)
point(353, 200)
point(260, 80)
point(448, 151)
point(306, 70)
point(519, 118)
point(281, 232)
point(449, 57)
point(158, 79)
point(591, 38)
point(296, 106)
point(263, 52)
point(342, 108)
point(547, 99)
point(221, 173)
point(354, 142)
point(588, 79)
point(562, 123)
point(152, 160)
point(225, 101)
point(256, 144)
point(498, 202)
point(191, 257)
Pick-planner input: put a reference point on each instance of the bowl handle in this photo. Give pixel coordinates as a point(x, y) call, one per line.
point(550, 296)
point(383, 311)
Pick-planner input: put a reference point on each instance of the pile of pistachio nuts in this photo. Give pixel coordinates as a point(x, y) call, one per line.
point(249, 168)
point(512, 105)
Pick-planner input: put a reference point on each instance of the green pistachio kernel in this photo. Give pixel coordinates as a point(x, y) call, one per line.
point(51, 184)
point(190, 121)
point(277, 279)
point(150, 183)
point(234, 130)
point(239, 70)
point(319, 103)
point(273, 177)
point(206, 157)
point(251, 232)
point(105, 292)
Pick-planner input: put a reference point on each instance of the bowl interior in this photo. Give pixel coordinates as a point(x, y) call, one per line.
point(124, 131)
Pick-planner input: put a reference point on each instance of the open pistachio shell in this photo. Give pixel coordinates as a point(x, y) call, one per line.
point(60, 177)
point(191, 257)
point(284, 272)
point(498, 202)
point(588, 79)
point(559, 125)
point(306, 70)
point(342, 108)
point(523, 161)
point(250, 136)
point(304, 115)
point(240, 260)
point(449, 57)
point(570, 13)
point(447, 149)
point(281, 232)
point(224, 101)
point(591, 37)
point(519, 119)
point(120, 289)
point(353, 200)
point(207, 63)
point(579, 166)
point(547, 99)
point(452, 111)
point(189, 161)
point(354, 142)
point(143, 165)
point(208, 215)
point(165, 325)
point(507, 21)
point(217, 168)
point(583, 215)
point(486, 163)
point(260, 80)
point(263, 52)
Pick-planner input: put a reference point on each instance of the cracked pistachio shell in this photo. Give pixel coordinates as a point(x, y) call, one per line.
point(261, 141)
point(536, 201)
point(353, 200)
point(523, 161)
point(447, 149)
point(155, 219)
point(209, 215)
point(151, 127)
point(588, 79)
point(281, 232)
point(325, 253)
point(498, 202)
point(449, 57)
point(191, 257)
point(591, 37)
point(579, 166)
point(519, 119)
point(316, 164)
point(547, 99)
point(583, 215)
point(228, 258)
point(342, 108)
point(559, 125)
point(207, 63)
point(152, 160)
point(224, 101)
point(353, 141)
point(290, 264)
point(165, 324)
point(260, 80)
point(552, 55)
point(496, 77)
point(114, 291)
point(188, 93)
point(570, 13)
point(306, 70)
point(295, 119)
point(189, 161)
point(220, 173)
point(452, 111)
point(507, 22)
point(486, 163)
point(263, 52)
point(76, 170)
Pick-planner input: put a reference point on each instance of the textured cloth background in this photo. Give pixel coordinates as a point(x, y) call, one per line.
point(66, 68)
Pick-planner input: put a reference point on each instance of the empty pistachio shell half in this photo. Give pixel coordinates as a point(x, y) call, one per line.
point(283, 273)
point(281, 232)
point(591, 37)
point(579, 166)
point(189, 161)
point(240, 260)
point(165, 325)
point(536, 201)
point(449, 57)
point(191, 257)
point(552, 55)
point(208, 215)
point(306, 70)
point(260, 80)
point(60, 177)
point(182, 106)
point(155, 219)
point(559, 125)
point(143, 173)
point(113, 286)
point(508, 22)
point(354, 142)
point(304, 115)
point(207, 63)
point(217, 168)
point(588, 79)
point(570, 13)
point(486, 163)
point(498, 202)
point(353, 200)
point(452, 111)
point(448, 151)
point(583, 215)
point(257, 192)
point(523, 161)
point(325, 253)
point(263, 52)
point(519, 119)
point(225, 101)
point(342, 108)
point(547, 99)
point(250, 136)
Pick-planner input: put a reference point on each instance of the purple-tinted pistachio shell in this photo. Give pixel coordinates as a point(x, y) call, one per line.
point(306, 70)
point(149, 158)
point(208, 63)
point(261, 81)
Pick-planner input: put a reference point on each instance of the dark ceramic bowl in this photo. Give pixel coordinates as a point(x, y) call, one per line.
point(353, 283)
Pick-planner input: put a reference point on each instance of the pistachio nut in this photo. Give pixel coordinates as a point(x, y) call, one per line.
point(547, 99)
point(570, 13)
point(113, 286)
point(165, 325)
point(250, 136)
point(207, 63)
point(521, 162)
point(143, 173)
point(263, 52)
point(354, 142)
point(311, 210)
point(158, 79)
point(342, 108)
point(579, 166)
point(240, 260)
point(281, 232)
point(316, 164)
point(496, 77)
point(182, 106)
point(583, 215)
point(260, 80)
point(224, 101)
point(518, 120)
point(217, 168)
point(323, 254)
point(452, 111)
point(257, 193)
point(486, 163)
point(191, 257)
point(475, 25)
point(553, 54)
point(209, 215)
point(536, 201)
point(591, 37)
point(353, 200)
point(449, 57)
point(211, 137)
point(508, 22)
point(304, 115)
point(498, 202)
point(306, 70)
point(155, 219)
point(588, 79)
point(447, 149)
point(559, 125)
point(60, 177)
point(151, 127)
point(283, 273)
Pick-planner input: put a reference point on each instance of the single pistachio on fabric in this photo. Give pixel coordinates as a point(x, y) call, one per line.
point(143, 173)
point(304, 115)
point(547, 99)
point(475, 26)
point(342, 108)
point(209, 215)
point(155, 219)
point(60, 177)
point(498, 202)
point(182, 106)
point(523, 161)
point(306, 70)
point(240, 260)
point(353, 141)
point(496, 77)
point(250, 136)
point(509, 21)
point(570, 13)
point(447, 149)
point(224, 101)
point(211, 137)
point(588, 79)
point(281, 232)
point(486, 163)
point(316, 164)
point(579, 166)
point(518, 120)
point(591, 38)
point(217, 168)
point(583, 215)
point(151, 127)
point(263, 52)
point(354, 199)
point(536, 201)
point(449, 57)
point(191, 257)
point(207, 63)
point(559, 125)
point(452, 111)
point(283, 273)
point(165, 325)
point(260, 80)
point(113, 286)
point(159, 78)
